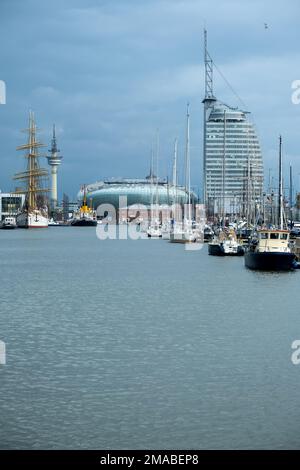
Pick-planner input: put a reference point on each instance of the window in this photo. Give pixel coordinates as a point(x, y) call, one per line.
point(11, 204)
point(274, 236)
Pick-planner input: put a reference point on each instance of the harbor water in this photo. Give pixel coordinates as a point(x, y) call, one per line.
point(123, 344)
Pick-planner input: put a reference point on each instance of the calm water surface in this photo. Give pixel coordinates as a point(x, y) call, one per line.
point(141, 344)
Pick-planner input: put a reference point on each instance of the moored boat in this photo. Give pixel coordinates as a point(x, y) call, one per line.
point(32, 219)
point(83, 222)
point(186, 231)
point(225, 244)
point(8, 223)
point(269, 250)
point(53, 223)
point(34, 213)
point(86, 216)
point(155, 229)
point(208, 233)
point(184, 234)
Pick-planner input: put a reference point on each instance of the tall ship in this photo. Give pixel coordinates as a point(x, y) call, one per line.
point(34, 213)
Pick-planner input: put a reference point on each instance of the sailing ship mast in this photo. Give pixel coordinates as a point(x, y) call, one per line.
point(187, 162)
point(280, 192)
point(34, 173)
point(248, 186)
point(154, 229)
point(151, 183)
point(291, 195)
point(175, 179)
point(223, 172)
point(156, 189)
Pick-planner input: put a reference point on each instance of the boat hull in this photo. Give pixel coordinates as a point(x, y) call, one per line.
point(154, 232)
point(215, 250)
point(270, 261)
point(7, 227)
point(84, 223)
point(183, 237)
point(165, 236)
point(32, 220)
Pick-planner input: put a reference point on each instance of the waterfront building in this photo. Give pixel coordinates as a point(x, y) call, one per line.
point(233, 160)
point(123, 193)
point(10, 204)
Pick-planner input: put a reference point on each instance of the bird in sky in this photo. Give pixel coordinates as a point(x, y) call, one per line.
point(266, 25)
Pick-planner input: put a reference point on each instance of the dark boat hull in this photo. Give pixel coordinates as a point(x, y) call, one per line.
point(8, 227)
point(270, 261)
point(84, 223)
point(215, 250)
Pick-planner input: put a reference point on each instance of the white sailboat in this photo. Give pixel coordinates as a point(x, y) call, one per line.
point(185, 232)
point(169, 225)
point(34, 213)
point(154, 229)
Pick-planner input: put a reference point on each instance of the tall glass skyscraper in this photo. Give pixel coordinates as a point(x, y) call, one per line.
point(233, 166)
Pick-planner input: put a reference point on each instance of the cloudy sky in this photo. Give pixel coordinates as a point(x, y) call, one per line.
point(110, 72)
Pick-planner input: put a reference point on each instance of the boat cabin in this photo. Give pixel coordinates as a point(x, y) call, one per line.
point(273, 240)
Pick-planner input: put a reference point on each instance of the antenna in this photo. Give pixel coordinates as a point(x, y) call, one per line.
point(151, 164)
point(208, 102)
point(208, 70)
point(174, 182)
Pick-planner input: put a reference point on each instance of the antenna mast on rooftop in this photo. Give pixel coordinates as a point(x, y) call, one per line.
point(209, 99)
point(208, 70)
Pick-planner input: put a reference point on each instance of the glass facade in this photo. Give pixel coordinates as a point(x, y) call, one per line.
point(233, 159)
point(10, 204)
point(135, 192)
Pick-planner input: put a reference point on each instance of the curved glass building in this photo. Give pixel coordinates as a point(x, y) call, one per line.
point(137, 191)
point(233, 165)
